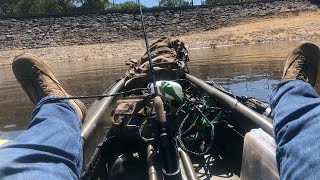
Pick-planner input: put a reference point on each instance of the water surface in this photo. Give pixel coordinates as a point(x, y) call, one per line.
point(250, 70)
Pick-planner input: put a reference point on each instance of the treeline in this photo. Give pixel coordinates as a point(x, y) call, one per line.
point(216, 2)
point(29, 7)
point(203, 2)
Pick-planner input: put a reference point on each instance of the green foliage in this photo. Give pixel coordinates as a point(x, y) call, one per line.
point(7, 7)
point(213, 2)
point(93, 5)
point(174, 3)
point(22, 7)
point(27, 7)
point(127, 5)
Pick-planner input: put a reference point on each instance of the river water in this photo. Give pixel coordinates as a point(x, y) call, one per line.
point(251, 70)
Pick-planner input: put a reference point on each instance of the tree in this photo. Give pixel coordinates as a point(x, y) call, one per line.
point(174, 3)
point(213, 2)
point(7, 7)
point(93, 5)
point(127, 5)
point(25, 7)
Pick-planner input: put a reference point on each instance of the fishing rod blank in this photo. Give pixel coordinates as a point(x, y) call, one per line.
point(148, 50)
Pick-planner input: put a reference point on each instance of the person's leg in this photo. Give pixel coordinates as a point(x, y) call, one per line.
point(51, 147)
point(296, 115)
point(296, 112)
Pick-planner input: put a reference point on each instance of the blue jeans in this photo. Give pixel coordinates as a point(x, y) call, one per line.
point(51, 148)
point(296, 111)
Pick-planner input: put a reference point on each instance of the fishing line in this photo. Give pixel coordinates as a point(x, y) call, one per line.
point(148, 50)
point(94, 96)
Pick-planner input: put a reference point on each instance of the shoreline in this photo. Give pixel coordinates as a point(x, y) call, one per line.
point(285, 27)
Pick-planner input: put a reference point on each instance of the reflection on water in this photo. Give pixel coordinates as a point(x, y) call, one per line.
point(251, 70)
point(78, 78)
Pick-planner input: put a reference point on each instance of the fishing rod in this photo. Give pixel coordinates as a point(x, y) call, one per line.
point(167, 145)
point(148, 50)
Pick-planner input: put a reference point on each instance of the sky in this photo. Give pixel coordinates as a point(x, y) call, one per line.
point(150, 3)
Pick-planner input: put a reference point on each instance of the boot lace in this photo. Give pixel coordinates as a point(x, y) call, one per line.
point(34, 86)
point(303, 68)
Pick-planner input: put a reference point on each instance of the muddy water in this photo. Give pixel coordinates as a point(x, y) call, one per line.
point(251, 70)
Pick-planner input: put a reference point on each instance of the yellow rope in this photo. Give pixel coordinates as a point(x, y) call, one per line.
point(2, 141)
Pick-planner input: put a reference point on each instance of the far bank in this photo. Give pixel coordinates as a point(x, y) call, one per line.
point(290, 26)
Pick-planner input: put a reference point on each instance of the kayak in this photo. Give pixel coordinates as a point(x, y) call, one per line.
point(168, 124)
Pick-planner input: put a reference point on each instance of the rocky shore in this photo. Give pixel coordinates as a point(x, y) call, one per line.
point(301, 25)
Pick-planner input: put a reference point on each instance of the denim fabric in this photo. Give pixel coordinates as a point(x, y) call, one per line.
point(296, 111)
point(51, 147)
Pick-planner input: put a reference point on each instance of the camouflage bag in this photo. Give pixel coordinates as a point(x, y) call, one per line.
point(169, 59)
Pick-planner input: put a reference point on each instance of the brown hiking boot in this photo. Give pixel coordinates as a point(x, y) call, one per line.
point(303, 63)
point(38, 81)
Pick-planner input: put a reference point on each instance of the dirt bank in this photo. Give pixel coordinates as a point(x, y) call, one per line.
point(303, 25)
